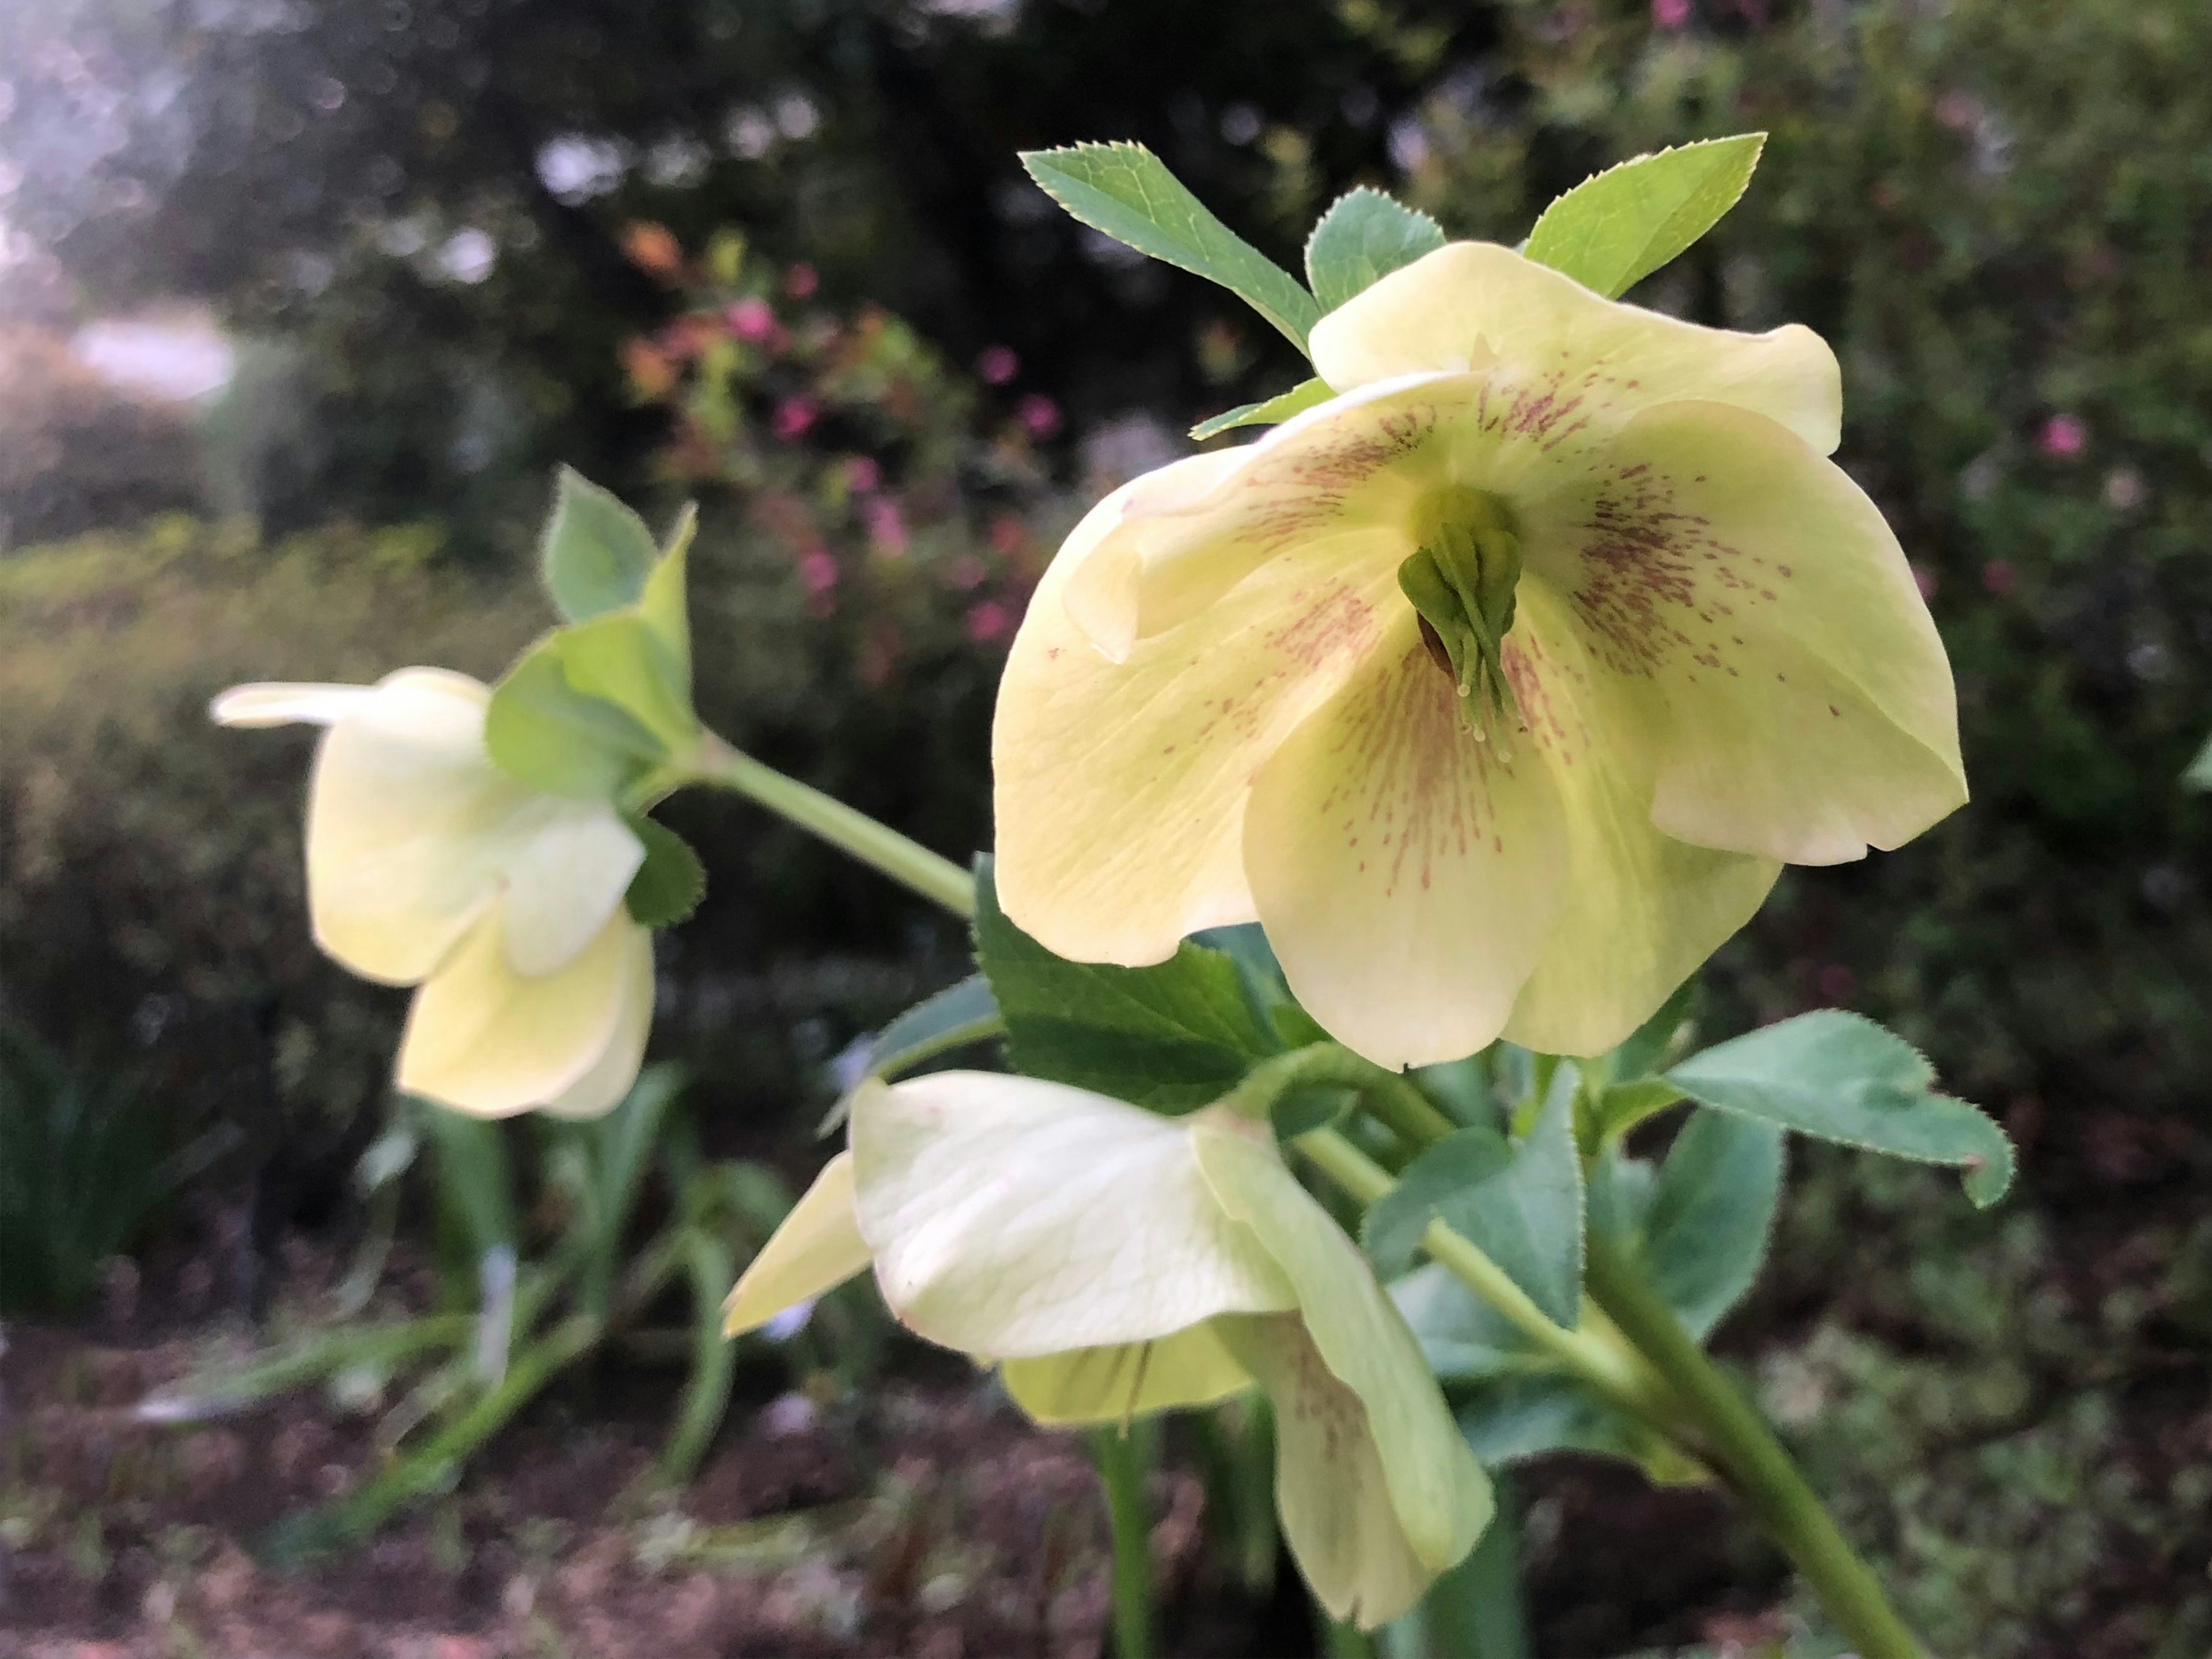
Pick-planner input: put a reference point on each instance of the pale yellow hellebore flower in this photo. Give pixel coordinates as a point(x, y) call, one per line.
point(427, 866)
point(1115, 1261)
point(1662, 646)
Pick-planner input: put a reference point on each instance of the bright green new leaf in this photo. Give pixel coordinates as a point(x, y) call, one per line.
point(669, 884)
point(1710, 1214)
point(639, 658)
point(542, 730)
point(596, 553)
point(1522, 1207)
point(1126, 191)
point(1173, 1037)
point(1281, 407)
point(1841, 1078)
point(1611, 231)
point(1362, 239)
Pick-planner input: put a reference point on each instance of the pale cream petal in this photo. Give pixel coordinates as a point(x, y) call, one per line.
point(1120, 788)
point(601, 1088)
point(1112, 1385)
point(284, 703)
point(1567, 362)
point(1408, 875)
point(1436, 1491)
point(1104, 554)
point(483, 1039)
point(1332, 1492)
point(1748, 592)
point(1012, 1218)
point(818, 1248)
point(412, 832)
point(1639, 911)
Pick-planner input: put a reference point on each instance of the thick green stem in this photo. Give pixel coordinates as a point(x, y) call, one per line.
point(937, 879)
point(1122, 1459)
point(1754, 1460)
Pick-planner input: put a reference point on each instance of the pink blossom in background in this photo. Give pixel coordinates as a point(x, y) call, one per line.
point(886, 527)
point(862, 474)
point(1670, 14)
point(989, 621)
point(800, 281)
point(965, 574)
point(817, 574)
point(1009, 536)
point(1835, 982)
point(997, 365)
point(1999, 577)
point(1925, 579)
point(793, 415)
point(2063, 437)
point(751, 319)
point(1038, 414)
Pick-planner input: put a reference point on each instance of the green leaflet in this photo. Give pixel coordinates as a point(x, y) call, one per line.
point(1699, 1225)
point(1126, 191)
point(1612, 230)
point(1171, 1038)
point(1841, 1078)
point(1521, 1206)
point(669, 884)
point(1306, 394)
point(595, 553)
point(1362, 239)
point(951, 1019)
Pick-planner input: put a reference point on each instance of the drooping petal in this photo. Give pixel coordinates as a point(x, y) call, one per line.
point(1571, 362)
point(412, 833)
point(1012, 1218)
point(1639, 909)
point(1408, 875)
point(1192, 1367)
point(1363, 1380)
point(1331, 1492)
point(602, 1088)
point(1745, 586)
point(276, 702)
point(1105, 553)
point(1120, 788)
point(481, 1038)
point(818, 1248)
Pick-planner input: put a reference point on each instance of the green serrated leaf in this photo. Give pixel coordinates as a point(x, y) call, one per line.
point(1464, 1338)
point(1306, 394)
point(1841, 1078)
point(1610, 232)
point(1513, 1419)
point(1710, 1215)
point(1128, 192)
point(1521, 1206)
point(1622, 1106)
point(542, 731)
point(639, 658)
point(1171, 1038)
point(595, 554)
point(956, 1016)
point(669, 884)
point(1362, 239)
point(1659, 1039)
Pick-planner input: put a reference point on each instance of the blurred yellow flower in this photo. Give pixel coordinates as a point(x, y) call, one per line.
point(1115, 1261)
point(1498, 687)
point(427, 865)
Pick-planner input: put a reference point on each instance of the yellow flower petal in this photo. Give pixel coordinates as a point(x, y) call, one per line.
point(1407, 875)
point(1012, 1218)
point(1111, 1385)
point(1575, 362)
point(818, 1248)
point(412, 833)
point(286, 703)
point(1120, 788)
point(481, 1038)
point(1639, 910)
point(1378, 1491)
point(1106, 553)
point(1746, 588)
point(602, 1088)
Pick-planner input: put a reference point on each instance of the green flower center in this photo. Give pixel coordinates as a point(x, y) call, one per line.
point(1461, 580)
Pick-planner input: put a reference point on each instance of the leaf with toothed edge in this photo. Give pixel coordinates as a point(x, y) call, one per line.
point(1840, 1077)
point(1612, 230)
point(1362, 239)
point(1307, 394)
